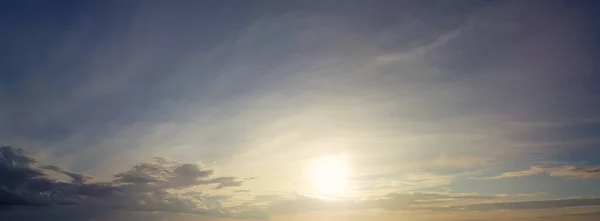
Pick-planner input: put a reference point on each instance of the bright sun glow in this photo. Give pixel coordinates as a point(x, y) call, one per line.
point(329, 175)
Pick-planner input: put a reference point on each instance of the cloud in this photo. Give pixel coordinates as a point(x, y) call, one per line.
point(579, 172)
point(399, 201)
point(424, 202)
point(242, 191)
point(528, 205)
point(76, 178)
point(162, 185)
point(268, 198)
point(417, 181)
point(529, 172)
point(590, 215)
point(390, 202)
point(223, 182)
point(73, 213)
point(168, 186)
point(165, 174)
point(566, 171)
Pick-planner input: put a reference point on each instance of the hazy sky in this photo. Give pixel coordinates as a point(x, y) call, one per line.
point(299, 110)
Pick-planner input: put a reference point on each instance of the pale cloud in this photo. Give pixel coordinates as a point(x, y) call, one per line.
point(389, 202)
point(529, 205)
point(423, 201)
point(565, 171)
point(378, 185)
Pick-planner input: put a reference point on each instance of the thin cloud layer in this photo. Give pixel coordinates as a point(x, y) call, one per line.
point(529, 205)
point(565, 171)
point(426, 202)
point(79, 214)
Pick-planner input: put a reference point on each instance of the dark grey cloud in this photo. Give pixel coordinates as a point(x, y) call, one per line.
point(145, 187)
point(76, 178)
point(165, 174)
point(17, 171)
point(582, 172)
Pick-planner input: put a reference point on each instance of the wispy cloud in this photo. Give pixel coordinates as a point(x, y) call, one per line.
point(566, 171)
point(419, 95)
point(530, 205)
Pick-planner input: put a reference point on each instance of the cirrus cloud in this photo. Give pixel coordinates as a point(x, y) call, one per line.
point(565, 171)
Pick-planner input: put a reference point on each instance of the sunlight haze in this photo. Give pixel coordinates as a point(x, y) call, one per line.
point(346, 110)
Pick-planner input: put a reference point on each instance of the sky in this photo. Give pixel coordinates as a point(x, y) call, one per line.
point(299, 110)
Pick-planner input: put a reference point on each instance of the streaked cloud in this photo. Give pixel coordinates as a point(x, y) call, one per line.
point(529, 205)
point(566, 171)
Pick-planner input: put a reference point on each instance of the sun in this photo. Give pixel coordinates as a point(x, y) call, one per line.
point(329, 176)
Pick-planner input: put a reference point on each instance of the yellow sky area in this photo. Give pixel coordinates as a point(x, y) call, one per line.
point(583, 213)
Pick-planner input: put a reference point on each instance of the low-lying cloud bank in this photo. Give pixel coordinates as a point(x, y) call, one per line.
point(153, 186)
point(167, 188)
point(427, 202)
